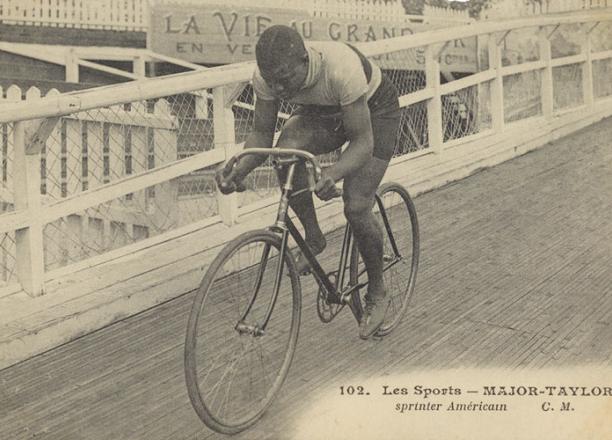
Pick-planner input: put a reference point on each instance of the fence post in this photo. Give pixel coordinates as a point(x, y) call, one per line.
point(72, 67)
point(587, 67)
point(434, 105)
point(28, 241)
point(225, 137)
point(139, 67)
point(497, 85)
point(547, 76)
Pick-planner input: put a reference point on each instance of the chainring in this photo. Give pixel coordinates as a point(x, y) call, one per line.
point(327, 311)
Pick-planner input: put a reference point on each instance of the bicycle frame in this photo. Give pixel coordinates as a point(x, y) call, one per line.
point(285, 227)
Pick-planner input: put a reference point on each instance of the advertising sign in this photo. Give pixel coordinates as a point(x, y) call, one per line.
point(210, 34)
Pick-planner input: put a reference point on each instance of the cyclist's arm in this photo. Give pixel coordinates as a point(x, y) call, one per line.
point(358, 129)
point(261, 136)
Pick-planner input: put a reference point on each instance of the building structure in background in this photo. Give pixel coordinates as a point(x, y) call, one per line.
point(132, 15)
point(503, 9)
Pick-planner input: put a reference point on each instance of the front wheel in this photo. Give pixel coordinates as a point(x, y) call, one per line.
point(400, 227)
point(241, 336)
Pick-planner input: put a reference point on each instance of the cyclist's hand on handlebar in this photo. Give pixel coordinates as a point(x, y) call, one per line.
point(326, 188)
point(225, 178)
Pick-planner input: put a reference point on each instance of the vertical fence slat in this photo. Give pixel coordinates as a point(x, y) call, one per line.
point(434, 105)
point(225, 138)
point(28, 241)
point(497, 85)
point(53, 183)
point(587, 67)
point(547, 74)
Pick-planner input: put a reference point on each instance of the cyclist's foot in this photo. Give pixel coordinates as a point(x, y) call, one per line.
point(316, 247)
point(373, 315)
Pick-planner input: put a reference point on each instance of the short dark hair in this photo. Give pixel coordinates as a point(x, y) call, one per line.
point(278, 43)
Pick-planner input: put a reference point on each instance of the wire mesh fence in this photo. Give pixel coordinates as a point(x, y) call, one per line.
point(601, 36)
point(7, 258)
point(566, 40)
point(412, 133)
point(521, 46)
point(568, 88)
point(522, 96)
point(465, 112)
point(602, 72)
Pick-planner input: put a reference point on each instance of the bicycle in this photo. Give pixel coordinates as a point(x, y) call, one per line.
point(232, 314)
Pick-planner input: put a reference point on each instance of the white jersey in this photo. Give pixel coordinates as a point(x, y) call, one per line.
point(335, 77)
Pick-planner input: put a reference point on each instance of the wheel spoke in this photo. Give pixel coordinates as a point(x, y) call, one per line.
point(233, 373)
point(399, 277)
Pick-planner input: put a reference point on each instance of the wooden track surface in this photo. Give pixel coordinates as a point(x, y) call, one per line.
point(514, 273)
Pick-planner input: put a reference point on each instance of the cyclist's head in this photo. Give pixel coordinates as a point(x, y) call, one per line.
point(282, 59)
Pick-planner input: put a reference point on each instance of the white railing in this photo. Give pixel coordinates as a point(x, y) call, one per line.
point(527, 82)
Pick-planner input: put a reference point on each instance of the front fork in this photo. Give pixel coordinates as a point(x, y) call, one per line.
point(280, 226)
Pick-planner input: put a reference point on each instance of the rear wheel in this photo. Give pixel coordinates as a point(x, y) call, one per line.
point(237, 352)
point(400, 254)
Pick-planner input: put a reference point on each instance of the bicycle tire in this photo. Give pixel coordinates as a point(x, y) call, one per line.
point(399, 279)
point(212, 333)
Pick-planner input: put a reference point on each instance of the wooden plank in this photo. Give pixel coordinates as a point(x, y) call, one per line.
point(544, 46)
point(517, 69)
point(413, 98)
point(566, 61)
point(468, 81)
point(118, 116)
point(596, 56)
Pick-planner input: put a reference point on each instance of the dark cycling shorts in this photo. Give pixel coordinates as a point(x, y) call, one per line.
point(384, 114)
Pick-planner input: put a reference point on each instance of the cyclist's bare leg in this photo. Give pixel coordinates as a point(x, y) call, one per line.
point(316, 136)
point(359, 191)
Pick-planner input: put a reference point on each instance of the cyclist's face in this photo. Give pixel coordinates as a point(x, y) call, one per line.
point(286, 78)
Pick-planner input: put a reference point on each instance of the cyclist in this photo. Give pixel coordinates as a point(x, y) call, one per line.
point(341, 97)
